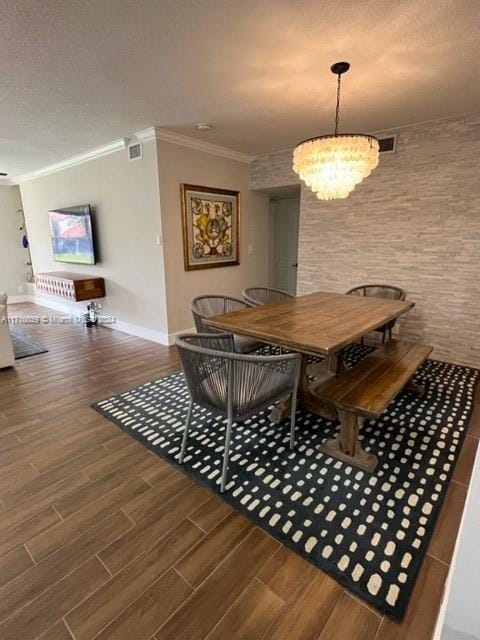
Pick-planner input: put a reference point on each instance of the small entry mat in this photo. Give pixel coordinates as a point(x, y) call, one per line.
point(23, 345)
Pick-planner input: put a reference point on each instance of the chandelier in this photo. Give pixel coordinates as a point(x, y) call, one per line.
point(333, 165)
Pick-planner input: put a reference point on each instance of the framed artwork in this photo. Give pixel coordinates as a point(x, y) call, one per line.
point(211, 227)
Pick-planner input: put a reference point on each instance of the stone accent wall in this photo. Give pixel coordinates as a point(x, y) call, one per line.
point(415, 222)
point(273, 170)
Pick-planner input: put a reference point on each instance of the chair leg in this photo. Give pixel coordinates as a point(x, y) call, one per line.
point(292, 420)
point(185, 433)
point(390, 333)
point(226, 455)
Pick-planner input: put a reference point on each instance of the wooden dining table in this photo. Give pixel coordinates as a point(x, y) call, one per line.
point(318, 324)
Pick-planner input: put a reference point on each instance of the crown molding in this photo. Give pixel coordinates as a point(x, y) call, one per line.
point(145, 135)
point(470, 118)
point(157, 133)
point(105, 150)
point(200, 145)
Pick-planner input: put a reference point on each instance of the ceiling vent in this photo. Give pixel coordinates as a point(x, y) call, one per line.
point(388, 144)
point(135, 151)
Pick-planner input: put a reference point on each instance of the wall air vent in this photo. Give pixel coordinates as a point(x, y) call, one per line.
point(387, 144)
point(135, 151)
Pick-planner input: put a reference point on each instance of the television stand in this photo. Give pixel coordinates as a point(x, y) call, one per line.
point(72, 286)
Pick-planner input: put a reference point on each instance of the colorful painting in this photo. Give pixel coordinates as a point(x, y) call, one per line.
point(211, 219)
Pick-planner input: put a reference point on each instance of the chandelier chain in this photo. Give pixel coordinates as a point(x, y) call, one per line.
point(337, 110)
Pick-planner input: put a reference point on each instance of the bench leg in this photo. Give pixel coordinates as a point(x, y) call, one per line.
point(281, 410)
point(347, 447)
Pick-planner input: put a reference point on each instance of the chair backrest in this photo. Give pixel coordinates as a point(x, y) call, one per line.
point(389, 291)
point(219, 378)
point(213, 305)
point(264, 295)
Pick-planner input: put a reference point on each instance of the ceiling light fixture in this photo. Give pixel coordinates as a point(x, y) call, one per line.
point(333, 165)
point(203, 127)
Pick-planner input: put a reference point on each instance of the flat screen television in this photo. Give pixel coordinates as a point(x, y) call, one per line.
point(72, 235)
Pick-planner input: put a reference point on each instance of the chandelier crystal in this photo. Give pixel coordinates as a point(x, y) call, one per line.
point(333, 165)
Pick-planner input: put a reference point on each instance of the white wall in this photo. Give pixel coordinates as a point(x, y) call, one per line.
point(179, 164)
point(148, 290)
point(13, 256)
point(461, 619)
point(125, 200)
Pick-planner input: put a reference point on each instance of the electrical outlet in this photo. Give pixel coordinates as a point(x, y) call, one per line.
point(20, 289)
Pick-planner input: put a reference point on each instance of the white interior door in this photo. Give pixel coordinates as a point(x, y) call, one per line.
point(285, 212)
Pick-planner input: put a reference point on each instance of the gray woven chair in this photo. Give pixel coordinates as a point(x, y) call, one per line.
point(234, 385)
point(264, 295)
point(204, 307)
point(388, 291)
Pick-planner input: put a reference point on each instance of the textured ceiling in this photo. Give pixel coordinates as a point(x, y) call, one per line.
point(77, 74)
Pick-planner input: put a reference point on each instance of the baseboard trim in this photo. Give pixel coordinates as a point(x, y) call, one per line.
point(77, 309)
point(141, 332)
point(172, 336)
point(19, 299)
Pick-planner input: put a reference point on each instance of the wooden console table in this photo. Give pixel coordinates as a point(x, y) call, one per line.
point(71, 286)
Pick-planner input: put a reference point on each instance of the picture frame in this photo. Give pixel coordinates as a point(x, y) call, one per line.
point(211, 227)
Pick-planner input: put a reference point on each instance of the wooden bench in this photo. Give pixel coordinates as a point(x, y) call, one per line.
point(364, 392)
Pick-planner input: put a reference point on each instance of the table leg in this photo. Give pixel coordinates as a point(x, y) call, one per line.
point(307, 399)
point(346, 446)
point(281, 410)
point(418, 389)
point(333, 363)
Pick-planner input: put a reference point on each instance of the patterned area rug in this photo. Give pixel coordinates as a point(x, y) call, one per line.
point(23, 345)
point(370, 531)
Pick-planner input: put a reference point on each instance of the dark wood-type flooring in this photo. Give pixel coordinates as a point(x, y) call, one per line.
point(100, 538)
